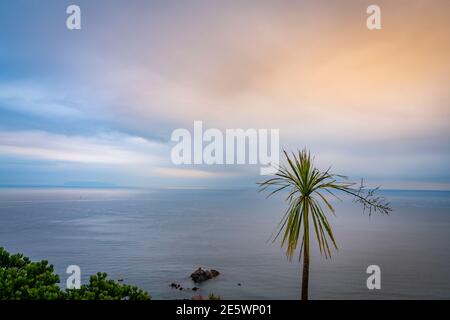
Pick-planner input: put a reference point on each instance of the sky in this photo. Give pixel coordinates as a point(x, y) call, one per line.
point(97, 106)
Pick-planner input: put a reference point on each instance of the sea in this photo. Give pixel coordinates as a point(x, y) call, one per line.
point(154, 237)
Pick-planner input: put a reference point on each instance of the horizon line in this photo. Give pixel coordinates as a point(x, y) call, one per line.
point(191, 187)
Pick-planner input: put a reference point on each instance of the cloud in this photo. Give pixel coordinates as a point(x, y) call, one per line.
point(108, 149)
point(375, 102)
point(185, 173)
point(36, 100)
point(314, 70)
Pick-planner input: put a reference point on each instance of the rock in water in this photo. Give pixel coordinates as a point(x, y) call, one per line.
point(201, 275)
point(175, 285)
point(214, 273)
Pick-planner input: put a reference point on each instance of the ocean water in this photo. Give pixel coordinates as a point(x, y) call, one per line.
point(152, 238)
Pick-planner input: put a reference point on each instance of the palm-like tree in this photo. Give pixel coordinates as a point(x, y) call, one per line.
point(308, 188)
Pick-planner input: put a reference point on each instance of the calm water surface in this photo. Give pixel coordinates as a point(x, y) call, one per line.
point(154, 237)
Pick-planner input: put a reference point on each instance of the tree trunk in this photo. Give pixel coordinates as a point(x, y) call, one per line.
point(305, 278)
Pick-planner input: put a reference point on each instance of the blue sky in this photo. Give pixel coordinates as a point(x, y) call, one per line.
point(98, 105)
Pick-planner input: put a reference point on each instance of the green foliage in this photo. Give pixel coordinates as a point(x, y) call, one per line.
point(22, 279)
point(308, 188)
point(212, 296)
point(101, 288)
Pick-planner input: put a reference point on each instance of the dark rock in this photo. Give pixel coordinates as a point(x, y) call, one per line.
point(239, 284)
point(175, 285)
point(194, 289)
point(201, 275)
point(214, 273)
